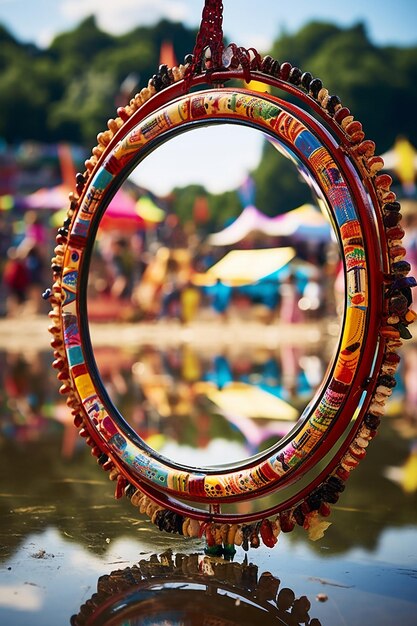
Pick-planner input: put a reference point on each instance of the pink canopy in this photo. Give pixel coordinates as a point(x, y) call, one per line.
point(122, 214)
point(305, 222)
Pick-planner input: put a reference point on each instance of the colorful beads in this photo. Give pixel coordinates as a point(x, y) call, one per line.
point(101, 432)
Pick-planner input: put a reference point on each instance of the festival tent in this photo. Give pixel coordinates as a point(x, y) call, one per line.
point(243, 267)
point(304, 222)
point(243, 405)
point(250, 220)
point(150, 212)
point(7, 202)
point(121, 214)
point(52, 198)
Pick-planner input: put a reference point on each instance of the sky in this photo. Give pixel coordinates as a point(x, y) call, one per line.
point(249, 23)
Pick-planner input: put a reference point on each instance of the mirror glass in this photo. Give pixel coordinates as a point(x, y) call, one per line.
point(215, 295)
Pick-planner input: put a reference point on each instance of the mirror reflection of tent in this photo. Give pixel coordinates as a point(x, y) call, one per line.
point(120, 215)
point(149, 211)
point(306, 222)
point(250, 220)
point(255, 274)
point(251, 401)
point(7, 202)
point(245, 267)
point(244, 405)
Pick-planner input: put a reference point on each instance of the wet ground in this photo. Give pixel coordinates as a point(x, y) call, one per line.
point(71, 554)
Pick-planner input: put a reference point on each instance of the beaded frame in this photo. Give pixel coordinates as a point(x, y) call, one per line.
point(337, 426)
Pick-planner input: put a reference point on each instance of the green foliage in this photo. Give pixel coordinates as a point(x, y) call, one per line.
point(22, 103)
point(297, 49)
point(279, 187)
point(81, 44)
point(183, 200)
point(68, 92)
point(223, 207)
point(378, 85)
point(84, 109)
point(9, 49)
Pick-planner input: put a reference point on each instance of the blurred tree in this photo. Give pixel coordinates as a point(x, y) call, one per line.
point(68, 91)
point(377, 84)
point(79, 46)
point(8, 48)
point(183, 198)
point(26, 92)
point(364, 77)
point(279, 186)
point(223, 207)
point(298, 48)
point(83, 112)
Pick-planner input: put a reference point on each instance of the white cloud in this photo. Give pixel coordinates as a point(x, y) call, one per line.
point(123, 15)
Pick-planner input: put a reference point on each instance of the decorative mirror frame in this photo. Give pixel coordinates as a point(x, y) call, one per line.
point(337, 426)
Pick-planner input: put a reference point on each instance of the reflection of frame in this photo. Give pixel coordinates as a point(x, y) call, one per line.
point(195, 591)
point(335, 430)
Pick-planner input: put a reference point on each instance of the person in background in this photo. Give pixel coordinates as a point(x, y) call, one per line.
point(16, 280)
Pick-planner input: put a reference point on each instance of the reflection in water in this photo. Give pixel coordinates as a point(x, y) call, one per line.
point(42, 483)
point(213, 381)
point(192, 590)
point(28, 395)
point(60, 528)
point(184, 401)
point(30, 406)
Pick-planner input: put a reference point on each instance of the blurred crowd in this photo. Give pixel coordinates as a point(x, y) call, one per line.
point(163, 271)
point(24, 263)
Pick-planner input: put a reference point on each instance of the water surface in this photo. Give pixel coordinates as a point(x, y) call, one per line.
point(63, 534)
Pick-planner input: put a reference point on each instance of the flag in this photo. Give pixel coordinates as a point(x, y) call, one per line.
point(406, 163)
point(67, 166)
point(167, 54)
